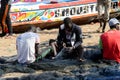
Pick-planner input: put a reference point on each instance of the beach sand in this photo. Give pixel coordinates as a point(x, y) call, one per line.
point(8, 45)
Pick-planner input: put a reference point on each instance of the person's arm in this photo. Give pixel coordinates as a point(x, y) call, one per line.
point(54, 48)
point(17, 41)
point(101, 49)
point(100, 45)
point(60, 37)
point(79, 40)
point(37, 46)
point(36, 49)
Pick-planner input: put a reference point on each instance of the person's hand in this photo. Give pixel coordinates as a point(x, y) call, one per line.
point(64, 45)
point(68, 49)
point(71, 48)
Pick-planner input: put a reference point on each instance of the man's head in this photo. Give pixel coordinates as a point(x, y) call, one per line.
point(114, 23)
point(31, 28)
point(68, 23)
point(51, 41)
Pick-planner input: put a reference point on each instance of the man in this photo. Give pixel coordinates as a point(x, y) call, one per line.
point(110, 41)
point(27, 45)
point(103, 7)
point(5, 18)
point(70, 40)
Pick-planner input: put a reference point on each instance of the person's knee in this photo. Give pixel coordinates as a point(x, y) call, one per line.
point(80, 47)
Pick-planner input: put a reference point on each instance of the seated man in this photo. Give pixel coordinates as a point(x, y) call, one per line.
point(70, 40)
point(27, 45)
point(110, 41)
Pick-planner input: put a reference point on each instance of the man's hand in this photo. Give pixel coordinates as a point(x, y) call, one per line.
point(69, 49)
point(64, 45)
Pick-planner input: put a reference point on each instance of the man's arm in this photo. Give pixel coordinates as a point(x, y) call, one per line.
point(36, 49)
point(60, 37)
point(37, 46)
point(79, 41)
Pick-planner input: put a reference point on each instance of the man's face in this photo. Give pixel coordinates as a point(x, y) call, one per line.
point(68, 27)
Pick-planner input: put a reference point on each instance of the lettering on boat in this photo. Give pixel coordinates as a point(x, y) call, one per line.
point(76, 10)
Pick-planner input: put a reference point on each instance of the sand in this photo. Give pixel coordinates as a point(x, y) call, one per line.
point(8, 45)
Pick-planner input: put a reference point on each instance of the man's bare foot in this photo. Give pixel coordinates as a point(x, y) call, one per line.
point(81, 60)
point(9, 36)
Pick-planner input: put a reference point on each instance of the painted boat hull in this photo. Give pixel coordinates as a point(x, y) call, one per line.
point(50, 15)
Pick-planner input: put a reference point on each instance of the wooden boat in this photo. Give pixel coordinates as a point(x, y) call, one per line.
point(49, 14)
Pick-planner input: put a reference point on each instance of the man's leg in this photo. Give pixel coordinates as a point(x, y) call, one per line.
point(60, 54)
point(1, 20)
point(4, 16)
point(8, 21)
point(80, 52)
point(104, 25)
point(100, 12)
point(107, 5)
